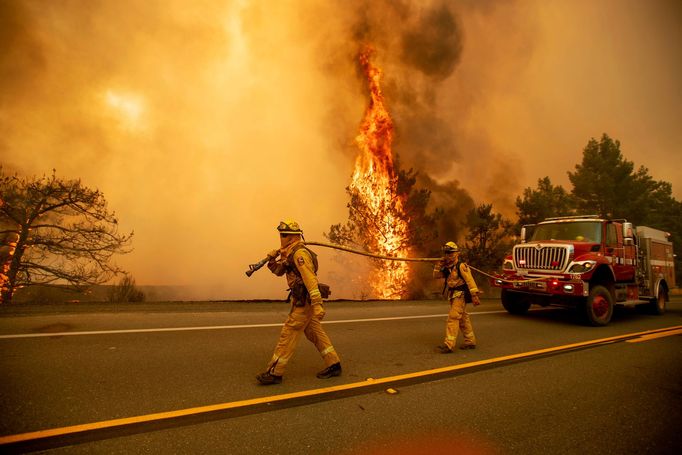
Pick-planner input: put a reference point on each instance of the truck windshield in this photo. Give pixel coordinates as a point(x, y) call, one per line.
point(580, 231)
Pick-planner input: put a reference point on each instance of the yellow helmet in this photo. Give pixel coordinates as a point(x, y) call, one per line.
point(450, 247)
point(289, 227)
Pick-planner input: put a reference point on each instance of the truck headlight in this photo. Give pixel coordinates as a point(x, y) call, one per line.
point(581, 267)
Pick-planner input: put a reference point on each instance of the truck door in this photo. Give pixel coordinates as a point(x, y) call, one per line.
point(621, 260)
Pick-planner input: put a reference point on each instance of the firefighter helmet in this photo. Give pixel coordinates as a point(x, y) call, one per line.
point(450, 247)
point(289, 227)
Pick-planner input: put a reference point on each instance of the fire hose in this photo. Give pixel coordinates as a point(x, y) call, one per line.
point(258, 265)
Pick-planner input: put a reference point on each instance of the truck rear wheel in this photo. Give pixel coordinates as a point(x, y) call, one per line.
point(598, 308)
point(657, 305)
point(514, 302)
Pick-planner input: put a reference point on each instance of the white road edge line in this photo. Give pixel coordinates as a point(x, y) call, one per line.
point(223, 327)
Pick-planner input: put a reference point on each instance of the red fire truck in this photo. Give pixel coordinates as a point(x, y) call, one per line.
point(589, 263)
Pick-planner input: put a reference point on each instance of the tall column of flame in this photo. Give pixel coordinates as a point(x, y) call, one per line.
point(374, 183)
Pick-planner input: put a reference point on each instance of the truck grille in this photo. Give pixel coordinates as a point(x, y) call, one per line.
point(539, 257)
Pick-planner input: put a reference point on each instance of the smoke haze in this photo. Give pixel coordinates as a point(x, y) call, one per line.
point(206, 123)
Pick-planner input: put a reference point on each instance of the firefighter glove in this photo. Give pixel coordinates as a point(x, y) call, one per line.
point(273, 254)
point(476, 300)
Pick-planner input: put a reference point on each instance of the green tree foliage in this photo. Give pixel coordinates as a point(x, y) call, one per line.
point(448, 204)
point(544, 202)
point(489, 238)
point(422, 224)
point(605, 183)
point(57, 233)
point(603, 178)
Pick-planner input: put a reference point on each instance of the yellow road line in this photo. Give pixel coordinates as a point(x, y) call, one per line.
point(653, 336)
point(369, 383)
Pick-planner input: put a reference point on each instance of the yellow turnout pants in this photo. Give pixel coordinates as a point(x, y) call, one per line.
point(458, 318)
point(301, 320)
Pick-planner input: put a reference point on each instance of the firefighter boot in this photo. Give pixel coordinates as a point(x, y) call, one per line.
point(268, 378)
point(330, 371)
point(443, 349)
point(468, 346)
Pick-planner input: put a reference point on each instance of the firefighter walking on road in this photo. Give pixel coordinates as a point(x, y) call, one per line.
point(299, 264)
point(461, 289)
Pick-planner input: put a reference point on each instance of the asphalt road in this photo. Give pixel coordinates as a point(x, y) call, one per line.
point(93, 363)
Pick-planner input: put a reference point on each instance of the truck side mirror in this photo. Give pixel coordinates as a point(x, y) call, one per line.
point(523, 234)
point(628, 233)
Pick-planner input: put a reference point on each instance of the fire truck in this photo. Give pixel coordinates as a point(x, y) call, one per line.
point(589, 263)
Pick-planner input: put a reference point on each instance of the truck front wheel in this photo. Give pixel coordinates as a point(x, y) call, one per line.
point(514, 302)
point(598, 308)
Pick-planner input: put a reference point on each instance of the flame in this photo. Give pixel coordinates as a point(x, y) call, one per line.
point(6, 254)
point(374, 183)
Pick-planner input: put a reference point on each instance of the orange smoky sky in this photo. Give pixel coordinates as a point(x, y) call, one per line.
point(206, 123)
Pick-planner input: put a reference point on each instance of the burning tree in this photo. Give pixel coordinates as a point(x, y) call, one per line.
point(379, 209)
point(56, 233)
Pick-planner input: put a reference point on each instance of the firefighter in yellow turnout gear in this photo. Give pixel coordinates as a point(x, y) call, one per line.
point(299, 264)
point(461, 288)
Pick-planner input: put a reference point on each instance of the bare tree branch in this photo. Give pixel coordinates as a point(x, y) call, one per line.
point(56, 232)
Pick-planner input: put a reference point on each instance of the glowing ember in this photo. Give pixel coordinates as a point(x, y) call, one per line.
point(374, 184)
